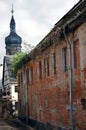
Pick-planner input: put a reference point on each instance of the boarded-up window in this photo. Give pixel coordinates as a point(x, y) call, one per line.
point(64, 59)
point(76, 54)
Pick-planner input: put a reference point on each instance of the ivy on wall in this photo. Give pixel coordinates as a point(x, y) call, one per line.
point(17, 61)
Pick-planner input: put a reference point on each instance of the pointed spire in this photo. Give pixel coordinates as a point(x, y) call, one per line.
point(12, 22)
point(12, 11)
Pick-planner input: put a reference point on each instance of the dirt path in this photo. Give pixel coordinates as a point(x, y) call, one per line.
point(5, 125)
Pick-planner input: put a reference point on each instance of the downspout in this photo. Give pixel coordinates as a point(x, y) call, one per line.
point(70, 78)
point(26, 93)
point(27, 104)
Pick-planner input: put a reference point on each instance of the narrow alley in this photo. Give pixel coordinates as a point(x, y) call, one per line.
point(43, 85)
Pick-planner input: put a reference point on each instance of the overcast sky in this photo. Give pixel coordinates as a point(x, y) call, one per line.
point(34, 18)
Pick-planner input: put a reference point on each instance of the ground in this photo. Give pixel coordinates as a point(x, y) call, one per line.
point(10, 125)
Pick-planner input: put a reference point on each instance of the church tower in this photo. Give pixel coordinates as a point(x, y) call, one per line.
point(13, 41)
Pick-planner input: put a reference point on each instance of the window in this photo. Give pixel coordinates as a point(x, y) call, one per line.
point(30, 76)
point(48, 71)
point(16, 88)
point(64, 59)
point(54, 63)
point(21, 78)
point(76, 54)
point(27, 75)
point(46, 67)
point(16, 105)
point(83, 101)
point(40, 70)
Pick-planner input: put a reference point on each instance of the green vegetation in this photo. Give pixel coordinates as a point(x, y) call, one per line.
point(17, 59)
point(26, 47)
point(20, 58)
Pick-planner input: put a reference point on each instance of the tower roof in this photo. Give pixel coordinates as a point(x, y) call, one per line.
point(12, 38)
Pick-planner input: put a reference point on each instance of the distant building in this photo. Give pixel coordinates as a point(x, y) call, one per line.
point(52, 78)
point(13, 45)
point(1, 68)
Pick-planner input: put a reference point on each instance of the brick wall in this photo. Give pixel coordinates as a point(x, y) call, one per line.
point(48, 97)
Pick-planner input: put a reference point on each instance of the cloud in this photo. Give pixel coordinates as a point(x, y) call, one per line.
point(34, 18)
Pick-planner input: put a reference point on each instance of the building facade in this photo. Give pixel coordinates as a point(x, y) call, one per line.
point(52, 78)
point(9, 81)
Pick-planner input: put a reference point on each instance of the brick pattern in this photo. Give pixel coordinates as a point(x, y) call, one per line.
point(48, 98)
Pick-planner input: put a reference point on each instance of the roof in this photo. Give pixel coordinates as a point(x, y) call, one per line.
point(12, 38)
point(70, 21)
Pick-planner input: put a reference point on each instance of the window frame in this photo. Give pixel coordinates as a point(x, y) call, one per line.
point(64, 59)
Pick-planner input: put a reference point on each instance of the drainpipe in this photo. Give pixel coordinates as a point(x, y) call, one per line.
point(70, 78)
point(26, 93)
point(26, 107)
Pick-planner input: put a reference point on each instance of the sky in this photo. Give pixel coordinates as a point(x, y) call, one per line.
point(34, 18)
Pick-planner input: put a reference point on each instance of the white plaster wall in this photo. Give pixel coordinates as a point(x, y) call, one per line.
point(14, 95)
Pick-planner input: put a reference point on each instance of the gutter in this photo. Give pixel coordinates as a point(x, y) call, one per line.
point(70, 78)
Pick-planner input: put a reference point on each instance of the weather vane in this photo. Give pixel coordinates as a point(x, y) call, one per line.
point(12, 11)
